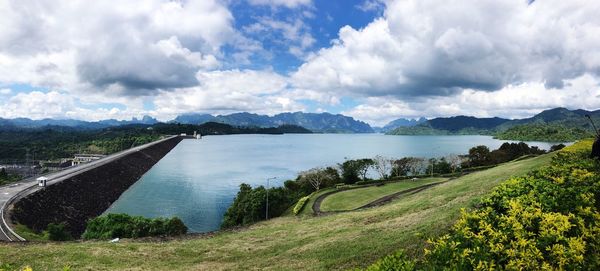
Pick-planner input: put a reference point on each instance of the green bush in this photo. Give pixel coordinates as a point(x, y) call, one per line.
point(393, 262)
point(342, 187)
point(369, 182)
point(126, 226)
point(249, 205)
point(300, 204)
point(175, 227)
point(58, 232)
point(548, 220)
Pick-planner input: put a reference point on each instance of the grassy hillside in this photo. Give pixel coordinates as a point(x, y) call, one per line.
point(548, 219)
point(341, 241)
point(355, 198)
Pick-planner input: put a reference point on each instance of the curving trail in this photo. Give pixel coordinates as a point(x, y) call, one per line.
point(378, 202)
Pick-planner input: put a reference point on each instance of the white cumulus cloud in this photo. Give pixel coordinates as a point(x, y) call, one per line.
point(139, 46)
point(229, 91)
point(424, 48)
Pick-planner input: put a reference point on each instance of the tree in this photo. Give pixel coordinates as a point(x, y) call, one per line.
point(249, 205)
point(499, 156)
point(383, 166)
point(455, 162)
point(355, 170)
point(315, 176)
point(363, 167)
point(237, 211)
point(557, 147)
point(408, 166)
point(333, 177)
point(479, 156)
point(349, 170)
point(401, 167)
point(443, 166)
point(417, 165)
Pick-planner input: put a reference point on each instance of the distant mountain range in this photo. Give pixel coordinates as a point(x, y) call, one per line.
point(316, 122)
point(29, 123)
point(556, 124)
point(399, 123)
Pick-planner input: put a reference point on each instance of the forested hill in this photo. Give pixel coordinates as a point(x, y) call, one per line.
point(56, 142)
point(215, 128)
point(316, 122)
point(455, 124)
point(452, 125)
point(558, 124)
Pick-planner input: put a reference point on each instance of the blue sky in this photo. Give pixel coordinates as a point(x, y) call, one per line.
point(322, 19)
point(375, 60)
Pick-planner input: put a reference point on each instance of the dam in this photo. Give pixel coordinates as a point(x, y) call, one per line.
point(77, 194)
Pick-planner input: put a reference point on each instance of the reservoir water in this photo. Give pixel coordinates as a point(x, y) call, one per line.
point(198, 179)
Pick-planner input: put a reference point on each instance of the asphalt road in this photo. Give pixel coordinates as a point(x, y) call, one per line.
point(27, 186)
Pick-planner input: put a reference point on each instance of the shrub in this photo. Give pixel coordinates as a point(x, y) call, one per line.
point(342, 186)
point(400, 178)
point(249, 205)
point(557, 147)
point(300, 204)
point(126, 226)
point(58, 232)
point(368, 182)
point(175, 226)
point(547, 220)
point(393, 262)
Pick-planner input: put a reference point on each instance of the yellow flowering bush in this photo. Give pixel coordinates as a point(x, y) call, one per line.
point(548, 220)
point(300, 204)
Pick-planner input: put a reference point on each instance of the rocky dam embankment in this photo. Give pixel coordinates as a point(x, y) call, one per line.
point(76, 200)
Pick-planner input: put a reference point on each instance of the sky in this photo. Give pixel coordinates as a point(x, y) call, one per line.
point(374, 60)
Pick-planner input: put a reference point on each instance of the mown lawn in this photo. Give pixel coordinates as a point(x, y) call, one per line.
point(355, 198)
point(307, 210)
point(340, 241)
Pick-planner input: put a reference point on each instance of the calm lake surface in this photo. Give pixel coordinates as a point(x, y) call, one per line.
point(198, 179)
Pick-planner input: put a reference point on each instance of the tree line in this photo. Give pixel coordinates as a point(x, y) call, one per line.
point(250, 206)
point(50, 143)
point(19, 145)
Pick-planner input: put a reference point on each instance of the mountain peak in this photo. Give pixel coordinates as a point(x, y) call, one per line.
point(318, 122)
point(402, 122)
point(555, 114)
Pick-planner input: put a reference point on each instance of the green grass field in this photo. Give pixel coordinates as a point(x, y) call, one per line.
point(355, 198)
point(339, 241)
point(307, 210)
